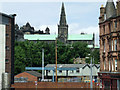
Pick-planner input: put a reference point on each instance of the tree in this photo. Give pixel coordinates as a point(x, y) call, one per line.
point(29, 54)
point(96, 56)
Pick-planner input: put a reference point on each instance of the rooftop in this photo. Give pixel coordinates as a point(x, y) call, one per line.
point(53, 37)
point(72, 65)
point(34, 73)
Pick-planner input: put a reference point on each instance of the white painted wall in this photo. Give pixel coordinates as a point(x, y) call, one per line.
point(83, 72)
point(2, 52)
point(86, 71)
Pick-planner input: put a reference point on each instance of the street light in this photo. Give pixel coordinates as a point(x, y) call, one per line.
point(91, 84)
point(56, 58)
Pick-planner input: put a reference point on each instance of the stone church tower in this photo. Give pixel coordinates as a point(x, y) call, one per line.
point(63, 27)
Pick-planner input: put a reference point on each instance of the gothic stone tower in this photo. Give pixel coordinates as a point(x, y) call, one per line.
point(63, 27)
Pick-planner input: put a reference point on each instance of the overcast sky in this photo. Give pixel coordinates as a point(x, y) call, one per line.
point(81, 16)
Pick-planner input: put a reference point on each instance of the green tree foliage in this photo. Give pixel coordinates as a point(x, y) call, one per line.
point(96, 56)
point(29, 54)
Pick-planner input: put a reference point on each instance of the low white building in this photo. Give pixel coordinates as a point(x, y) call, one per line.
point(82, 71)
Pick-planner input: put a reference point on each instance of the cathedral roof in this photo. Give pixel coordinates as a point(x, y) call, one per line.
point(53, 37)
point(80, 37)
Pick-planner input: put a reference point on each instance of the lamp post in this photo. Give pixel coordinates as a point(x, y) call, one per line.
point(91, 75)
point(42, 64)
point(56, 58)
point(91, 84)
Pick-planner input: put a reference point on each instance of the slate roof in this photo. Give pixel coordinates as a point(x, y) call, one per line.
point(34, 73)
point(10, 16)
point(66, 65)
point(53, 37)
point(72, 65)
point(110, 9)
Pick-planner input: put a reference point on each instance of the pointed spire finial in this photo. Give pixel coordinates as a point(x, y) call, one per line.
point(63, 16)
point(102, 5)
point(62, 4)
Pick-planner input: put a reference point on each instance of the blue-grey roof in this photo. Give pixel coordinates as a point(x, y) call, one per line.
point(72, 65)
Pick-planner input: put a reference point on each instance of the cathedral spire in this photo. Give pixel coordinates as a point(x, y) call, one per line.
point(63, 16)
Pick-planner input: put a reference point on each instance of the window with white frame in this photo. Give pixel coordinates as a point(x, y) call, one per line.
point(109, 45)
point(60, 71)
point(115, 24)
point(109, 25)
point(104, 45)
point(112, 45)
point(71, 71)
point(104, 64)
point(115, 45)
point(77, 70)
point(115, 65)
point(104, 28)
point(109, 65)
point(112, 66)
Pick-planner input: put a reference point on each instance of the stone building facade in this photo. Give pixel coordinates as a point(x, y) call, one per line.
point(27, 29)
point(6, 48)
point(109, 24)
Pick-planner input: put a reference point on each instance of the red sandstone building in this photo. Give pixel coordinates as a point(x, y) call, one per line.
point(109, 25)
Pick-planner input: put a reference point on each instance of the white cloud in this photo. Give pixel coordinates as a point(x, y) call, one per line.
point(75, 29)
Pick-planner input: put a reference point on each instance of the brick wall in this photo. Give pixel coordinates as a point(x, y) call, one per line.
point(8, 49)
point(54, 85)
point(27, 75)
